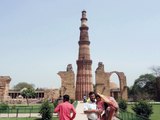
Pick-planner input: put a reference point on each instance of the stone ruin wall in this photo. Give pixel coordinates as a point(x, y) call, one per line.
point(51, 94)
point(67, 82)
point(103, 82)
point(4, 87)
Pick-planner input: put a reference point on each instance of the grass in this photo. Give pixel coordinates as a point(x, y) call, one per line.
point(24, 119)
point(156, 111)
point(17, 118)
point(24, 109)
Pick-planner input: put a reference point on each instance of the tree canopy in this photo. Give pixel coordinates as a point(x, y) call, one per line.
point(156, 70)
point(144, 87)
point(22, 85)
point(28, 93)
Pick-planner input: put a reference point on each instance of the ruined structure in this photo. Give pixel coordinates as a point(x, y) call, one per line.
point(103, 82)
point(67, 82)
point(83, 78)
point(51, 94)
point(4, 87)
point(84, 72)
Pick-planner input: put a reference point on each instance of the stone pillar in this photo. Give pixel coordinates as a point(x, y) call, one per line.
point(84, 71)
point(123, 86)
point(4, 87)
point(67, 82)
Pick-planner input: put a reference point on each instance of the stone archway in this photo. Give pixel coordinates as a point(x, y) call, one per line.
point(103, 81)
point(122, 83)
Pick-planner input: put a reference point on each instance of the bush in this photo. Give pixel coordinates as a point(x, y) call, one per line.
point(55, 103)
point(71, 101)
point(13, 107)
point(46, 111)
point(143, 108)
point(122, 104)
point(3, 106)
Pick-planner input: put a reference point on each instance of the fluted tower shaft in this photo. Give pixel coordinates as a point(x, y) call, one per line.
point(84, 64)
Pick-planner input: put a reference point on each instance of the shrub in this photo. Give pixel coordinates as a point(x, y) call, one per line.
point(143, 108)
point(46, 111)
point(71, 101)
point(13, 107)
point(55, 103)
point(122, 104)
point(3, 106)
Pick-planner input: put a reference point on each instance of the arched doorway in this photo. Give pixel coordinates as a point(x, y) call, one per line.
point(114, 86)
point(103, 82)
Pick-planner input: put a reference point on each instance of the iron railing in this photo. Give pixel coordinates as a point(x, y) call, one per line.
point(125, 115)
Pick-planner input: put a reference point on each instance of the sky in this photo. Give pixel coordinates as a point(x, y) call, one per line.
point(39, 38)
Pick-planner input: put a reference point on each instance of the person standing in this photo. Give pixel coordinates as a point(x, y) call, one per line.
point(84, 98)
point(65, 109)
point(90, 107)
point(100, 106)
point(111, 107)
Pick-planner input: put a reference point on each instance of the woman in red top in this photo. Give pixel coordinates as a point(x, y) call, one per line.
point(100, 106)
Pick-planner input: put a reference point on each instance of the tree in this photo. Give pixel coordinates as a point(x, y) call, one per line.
point(144, 87)
point(143, 108)
point(28, 93)
point(46, 111)
point(22, 85)
point(130, 92)
point(156, 70)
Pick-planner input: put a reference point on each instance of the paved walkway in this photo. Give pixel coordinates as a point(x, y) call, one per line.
point(80, 114)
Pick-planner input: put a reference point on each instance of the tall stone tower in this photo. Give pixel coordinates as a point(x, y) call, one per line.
point(84, 70)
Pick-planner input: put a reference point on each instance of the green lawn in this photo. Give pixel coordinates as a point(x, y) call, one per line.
point(23, 108)
point(17, 118)
point(23, 119)
point(156, 111)
point(26, 109)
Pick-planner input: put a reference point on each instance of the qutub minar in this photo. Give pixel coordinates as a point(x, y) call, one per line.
point(84, 83)
point(84, 64)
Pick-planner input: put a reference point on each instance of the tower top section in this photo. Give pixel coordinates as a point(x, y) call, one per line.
point(84, 19)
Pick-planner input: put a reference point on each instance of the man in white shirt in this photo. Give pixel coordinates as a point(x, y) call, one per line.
point(90, 107)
